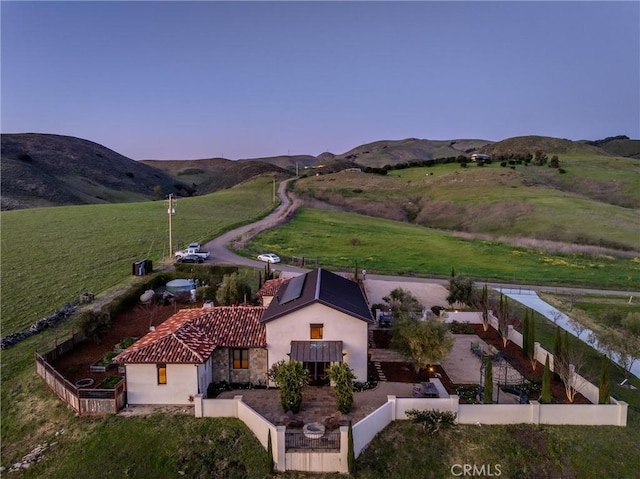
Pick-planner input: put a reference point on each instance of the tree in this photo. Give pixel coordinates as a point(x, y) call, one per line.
point(484, 305)
point(525, 333)
point(531, 340)
point(422, 343)
point(233, 290)
point(545, 395)
point(488, 380)
point(623, 341)
point(403, 304)
point(505, 320)
point(460, 290)
point(568, 367)
point(270, 451)
point(604, 388)
point(578, 321)
point(291, 378)
point(351, 456)
point(555, 162)
point(342, 376)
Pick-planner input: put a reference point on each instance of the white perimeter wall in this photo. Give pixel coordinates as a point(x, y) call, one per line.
point(143, 387)
point(338, 326)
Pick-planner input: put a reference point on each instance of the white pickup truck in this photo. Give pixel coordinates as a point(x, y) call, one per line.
point(192, 251)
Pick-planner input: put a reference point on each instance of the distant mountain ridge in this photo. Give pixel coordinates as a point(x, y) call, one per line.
point(51, 170)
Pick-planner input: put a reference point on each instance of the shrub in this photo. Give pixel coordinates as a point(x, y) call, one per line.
point(342, 375)
point(291, 378)
point(95, 324)
point(456, 327)
point(431, 419)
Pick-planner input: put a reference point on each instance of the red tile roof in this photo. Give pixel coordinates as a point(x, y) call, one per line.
point(271, 286)
point(191, 335)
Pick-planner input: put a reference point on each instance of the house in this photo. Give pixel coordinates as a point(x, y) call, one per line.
point(318, 318)
point(269, 289)
point(193, 348)
point(480, 156)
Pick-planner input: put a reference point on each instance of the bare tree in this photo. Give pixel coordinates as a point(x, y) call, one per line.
point(568, 367)
point(579, 321)
point(150, 309)
point(623, 341)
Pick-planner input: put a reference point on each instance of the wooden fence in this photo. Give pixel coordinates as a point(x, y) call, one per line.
point(86, 402)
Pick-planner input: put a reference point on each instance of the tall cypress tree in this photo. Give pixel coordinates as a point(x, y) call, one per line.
point(545, 395)
point(604, 388)
point(531, 340)
point(485, 308)
point(488, 380)
point(557, 351)
point(525, 334)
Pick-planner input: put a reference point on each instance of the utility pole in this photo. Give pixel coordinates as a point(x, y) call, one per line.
point(171, 210)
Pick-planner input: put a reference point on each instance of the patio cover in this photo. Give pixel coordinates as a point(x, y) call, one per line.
point(316, 351)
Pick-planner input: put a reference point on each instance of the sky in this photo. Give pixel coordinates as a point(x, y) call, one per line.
point(190, 80)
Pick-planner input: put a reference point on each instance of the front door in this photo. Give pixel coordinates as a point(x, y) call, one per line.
point(317, 373)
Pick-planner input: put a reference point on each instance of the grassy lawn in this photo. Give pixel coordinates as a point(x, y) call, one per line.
point(338, 239)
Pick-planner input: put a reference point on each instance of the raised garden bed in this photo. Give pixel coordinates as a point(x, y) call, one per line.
point(104, 363)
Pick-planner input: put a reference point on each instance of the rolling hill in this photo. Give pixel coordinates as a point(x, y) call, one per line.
point(213, 174)
point(52, 170)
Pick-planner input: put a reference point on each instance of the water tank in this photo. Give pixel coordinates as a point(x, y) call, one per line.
point(180, 286)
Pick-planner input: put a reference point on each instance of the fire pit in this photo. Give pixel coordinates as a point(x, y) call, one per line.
point(313, 430)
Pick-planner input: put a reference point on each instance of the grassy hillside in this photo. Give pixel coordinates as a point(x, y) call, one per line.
point(48, 170)
point(532, 143)
point(391, 152)
point(51, 255)
point(594, 203)
point(214, 174)
point(334, 238)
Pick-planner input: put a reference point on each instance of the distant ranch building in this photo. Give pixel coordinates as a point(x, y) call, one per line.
point(480, 156)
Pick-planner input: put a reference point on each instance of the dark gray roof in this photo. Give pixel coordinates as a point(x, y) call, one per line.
point(319, 286)
point(316, 351)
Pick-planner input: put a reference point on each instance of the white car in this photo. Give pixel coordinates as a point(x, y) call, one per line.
point(269, 258)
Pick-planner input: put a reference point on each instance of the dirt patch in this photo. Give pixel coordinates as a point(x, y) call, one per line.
point(75, 364)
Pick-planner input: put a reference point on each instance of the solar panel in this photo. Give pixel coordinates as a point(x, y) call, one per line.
point(294, 289)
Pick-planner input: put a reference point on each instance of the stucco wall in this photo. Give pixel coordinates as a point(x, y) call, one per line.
point(338, 326)
point(143, 387)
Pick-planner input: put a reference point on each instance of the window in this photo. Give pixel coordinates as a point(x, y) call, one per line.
point(162, 373)
point(316, 331)
point(240, 359)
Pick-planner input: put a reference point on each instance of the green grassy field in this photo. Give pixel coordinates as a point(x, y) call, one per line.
point(51, 255)
point(338, 239)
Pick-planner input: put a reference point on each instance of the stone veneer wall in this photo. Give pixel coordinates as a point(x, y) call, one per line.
point(223, 367)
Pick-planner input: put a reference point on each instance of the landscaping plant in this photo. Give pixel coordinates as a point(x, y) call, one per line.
point(342, 377)
point(432, 420)
point(291, 377)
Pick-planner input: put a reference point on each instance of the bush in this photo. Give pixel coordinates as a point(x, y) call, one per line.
point(431, 419)
point(456, 327)
point(95, 325)
point(291, 378)
point(342, 375)
point(214, 389)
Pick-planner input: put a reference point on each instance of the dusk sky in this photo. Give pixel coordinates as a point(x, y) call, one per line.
point(187, 80)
